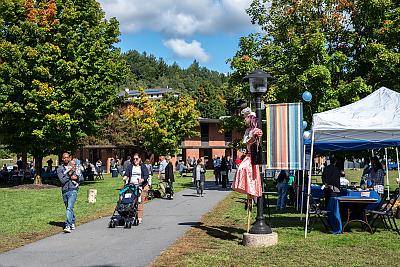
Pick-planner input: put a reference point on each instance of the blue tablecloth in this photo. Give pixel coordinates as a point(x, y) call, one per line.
point(334, 218)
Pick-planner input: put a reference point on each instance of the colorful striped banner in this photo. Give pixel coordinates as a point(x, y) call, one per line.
point(284, 136)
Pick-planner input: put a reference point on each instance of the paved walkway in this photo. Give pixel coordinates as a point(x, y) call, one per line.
point(93, 244)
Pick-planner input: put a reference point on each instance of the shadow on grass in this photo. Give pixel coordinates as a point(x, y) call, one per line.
point(58, 224)
point(220, 232)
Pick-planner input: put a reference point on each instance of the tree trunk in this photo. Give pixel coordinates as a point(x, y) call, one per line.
point(24, 160)
point(38, 169)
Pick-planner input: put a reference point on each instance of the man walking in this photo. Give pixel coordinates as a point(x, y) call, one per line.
point(161, 171)
point(68, 179)
point(217, 169)
point(127, 162)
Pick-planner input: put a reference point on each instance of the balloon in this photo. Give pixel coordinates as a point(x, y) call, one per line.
point(304, 124)
point(307, 96)
point(307, 135)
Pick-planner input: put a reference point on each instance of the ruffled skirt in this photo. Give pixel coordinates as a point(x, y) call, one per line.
point(247, 178)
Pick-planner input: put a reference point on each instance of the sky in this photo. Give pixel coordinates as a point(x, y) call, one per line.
point(182, 30)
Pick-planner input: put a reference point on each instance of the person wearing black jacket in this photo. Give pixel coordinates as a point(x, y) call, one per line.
point(138, 174)
point(331, 180)
point(169, 175)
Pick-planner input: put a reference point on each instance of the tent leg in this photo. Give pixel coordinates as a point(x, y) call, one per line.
point(387, 172)
point(297, 191)
point(398, 167)
point(309, 183)
point(302, 183)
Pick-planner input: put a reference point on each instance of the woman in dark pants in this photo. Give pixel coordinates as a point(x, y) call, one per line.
point(200, 177)
point(169, 176)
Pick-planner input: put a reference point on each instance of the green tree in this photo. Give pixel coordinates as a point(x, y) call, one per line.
point(339, 50)
point(59, 73)
point(157, 126)
point(208, 88)
point(162, 126)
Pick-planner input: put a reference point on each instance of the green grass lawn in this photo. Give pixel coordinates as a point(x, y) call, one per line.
point(27, 215)
point(216, 241)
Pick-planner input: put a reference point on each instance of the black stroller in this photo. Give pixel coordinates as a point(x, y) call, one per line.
point(127, 207)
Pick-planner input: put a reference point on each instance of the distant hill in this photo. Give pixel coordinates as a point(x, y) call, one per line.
point(207, 87)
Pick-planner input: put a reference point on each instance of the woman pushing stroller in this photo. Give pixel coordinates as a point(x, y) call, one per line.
point(138, 174)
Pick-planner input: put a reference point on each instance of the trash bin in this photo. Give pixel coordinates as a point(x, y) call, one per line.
point(114, 172)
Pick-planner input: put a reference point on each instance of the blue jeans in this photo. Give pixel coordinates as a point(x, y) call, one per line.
point(282, 190)
point(69, 198)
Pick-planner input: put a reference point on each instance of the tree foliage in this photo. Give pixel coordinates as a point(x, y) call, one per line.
point(157, 126)
point(208, 88)
point(59, 73)
point(339, 50)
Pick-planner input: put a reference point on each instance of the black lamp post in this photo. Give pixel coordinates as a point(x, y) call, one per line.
point(258, 87)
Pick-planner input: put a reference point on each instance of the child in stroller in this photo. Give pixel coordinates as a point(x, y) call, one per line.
point(127, 207)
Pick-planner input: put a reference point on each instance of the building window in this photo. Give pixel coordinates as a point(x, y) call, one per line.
point(204, 132)
point(228, 136)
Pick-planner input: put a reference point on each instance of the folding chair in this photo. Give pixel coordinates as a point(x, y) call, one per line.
point(317, 214)
point(385, 213)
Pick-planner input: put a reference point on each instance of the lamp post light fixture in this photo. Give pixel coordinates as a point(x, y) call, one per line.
point(258, 80)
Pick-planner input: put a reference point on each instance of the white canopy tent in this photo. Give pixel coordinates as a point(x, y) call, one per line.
point(369, 123)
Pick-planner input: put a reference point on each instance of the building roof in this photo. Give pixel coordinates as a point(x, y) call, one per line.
point(149, 91)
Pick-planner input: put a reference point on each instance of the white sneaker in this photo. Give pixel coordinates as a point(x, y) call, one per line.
point(139, 220)
point(73, 226)
point(67, 229)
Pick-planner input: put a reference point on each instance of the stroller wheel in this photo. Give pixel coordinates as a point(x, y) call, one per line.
point(128, 224)
point(111, 224)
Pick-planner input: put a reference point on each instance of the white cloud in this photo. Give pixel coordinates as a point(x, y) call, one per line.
point(177, 18)
point(187, 50)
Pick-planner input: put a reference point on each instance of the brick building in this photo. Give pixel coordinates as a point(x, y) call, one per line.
point(211, 142)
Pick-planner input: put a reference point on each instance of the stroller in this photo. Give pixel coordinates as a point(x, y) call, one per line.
point(164, 189)
point(127, 207)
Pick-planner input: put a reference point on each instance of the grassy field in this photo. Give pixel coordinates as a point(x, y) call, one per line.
point(28, 215)
point(216, 241)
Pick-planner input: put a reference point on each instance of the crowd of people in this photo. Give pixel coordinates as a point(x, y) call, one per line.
point(133, 171)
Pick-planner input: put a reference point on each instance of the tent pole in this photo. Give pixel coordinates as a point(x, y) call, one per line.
point(302, 183)
point(309, 184)
point(387, 172)
point(398, 167)
point(297, 191)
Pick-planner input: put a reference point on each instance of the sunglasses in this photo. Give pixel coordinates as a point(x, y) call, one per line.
point(136, 158)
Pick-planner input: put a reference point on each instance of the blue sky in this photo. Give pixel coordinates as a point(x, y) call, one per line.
point(181, 30)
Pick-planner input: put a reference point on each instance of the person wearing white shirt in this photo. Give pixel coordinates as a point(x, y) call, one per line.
point(138, 175)
point(163, 165)
point(343, 180)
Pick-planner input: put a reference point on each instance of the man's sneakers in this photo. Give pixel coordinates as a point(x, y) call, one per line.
point(69, 228)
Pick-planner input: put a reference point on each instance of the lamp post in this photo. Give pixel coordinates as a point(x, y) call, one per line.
point(258, 80)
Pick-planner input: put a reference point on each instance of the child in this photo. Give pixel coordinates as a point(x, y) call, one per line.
point(72, 166)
